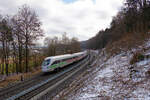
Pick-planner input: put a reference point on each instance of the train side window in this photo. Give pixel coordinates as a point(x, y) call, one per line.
point(56, 62)
point(66, 59)
point(62, 60)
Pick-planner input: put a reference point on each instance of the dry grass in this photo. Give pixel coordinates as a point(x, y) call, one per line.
point(125, 43)
point(15, 78)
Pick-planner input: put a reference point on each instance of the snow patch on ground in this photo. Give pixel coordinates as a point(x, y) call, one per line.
point(147, 44)
point(143, 93)
point(144, 62)
point(105, 72)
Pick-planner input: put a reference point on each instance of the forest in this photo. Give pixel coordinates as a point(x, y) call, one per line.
point(132, 21)
point(17, 36)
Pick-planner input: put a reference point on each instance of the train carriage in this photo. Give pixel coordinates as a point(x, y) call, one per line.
point(51, 63)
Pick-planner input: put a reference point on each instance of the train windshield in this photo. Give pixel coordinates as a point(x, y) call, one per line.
point(46, 62)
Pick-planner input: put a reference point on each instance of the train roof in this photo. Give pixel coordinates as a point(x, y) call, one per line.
point(76, 54)
point(59, 57)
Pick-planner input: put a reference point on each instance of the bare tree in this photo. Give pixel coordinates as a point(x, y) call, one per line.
point(30, 27)
point(75, 45)
point(54, 46)
point(18, 42)
point(65, 41)
point(5, 38)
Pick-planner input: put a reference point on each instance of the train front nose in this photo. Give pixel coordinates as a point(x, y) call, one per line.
point(44, 69)
point(45, 65)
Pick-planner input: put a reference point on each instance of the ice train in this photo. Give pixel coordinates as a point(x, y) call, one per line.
point(51, 63)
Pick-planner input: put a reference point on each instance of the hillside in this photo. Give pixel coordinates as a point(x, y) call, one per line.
point(117, 77)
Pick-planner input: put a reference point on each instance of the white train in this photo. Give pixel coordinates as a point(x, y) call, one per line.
point(51, 63)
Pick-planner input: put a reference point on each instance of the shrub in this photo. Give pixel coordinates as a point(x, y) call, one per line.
point(136, 58)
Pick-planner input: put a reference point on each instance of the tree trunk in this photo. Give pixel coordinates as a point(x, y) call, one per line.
point(6, 68)
point(26, 57)
point(3, 65)
point(16, 67)
point(6, 57)
point(35, 64)
point(20, 58)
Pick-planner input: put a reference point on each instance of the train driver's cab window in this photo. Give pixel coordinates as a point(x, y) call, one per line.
point(65, 59)
point(46, 62)
point(56, 62)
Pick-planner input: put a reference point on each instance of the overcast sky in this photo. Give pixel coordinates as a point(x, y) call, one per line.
point(79, 18)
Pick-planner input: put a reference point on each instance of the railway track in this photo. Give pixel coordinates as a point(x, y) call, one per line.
point(12, 90)
point(32, 87)
point(58, 88)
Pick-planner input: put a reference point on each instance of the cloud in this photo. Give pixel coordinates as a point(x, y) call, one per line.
point(80, 18)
